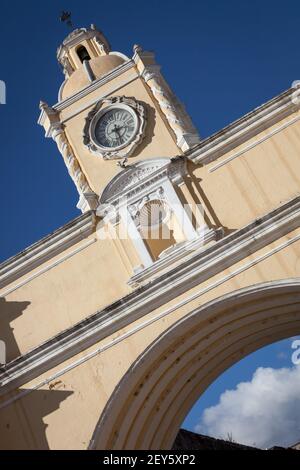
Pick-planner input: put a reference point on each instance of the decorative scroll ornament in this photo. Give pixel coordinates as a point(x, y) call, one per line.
point(178, 119)
point(126, 150)
point(88, 199)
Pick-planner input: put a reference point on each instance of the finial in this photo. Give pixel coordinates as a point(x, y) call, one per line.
point(47, 109)
point(94, 28)
point(137, 49)
point(43, 105)
point(65, 17)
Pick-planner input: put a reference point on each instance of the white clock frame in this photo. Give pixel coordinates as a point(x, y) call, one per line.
point(136, 109)
point(102, 113)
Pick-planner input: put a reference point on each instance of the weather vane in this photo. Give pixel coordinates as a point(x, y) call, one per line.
point(65, 17)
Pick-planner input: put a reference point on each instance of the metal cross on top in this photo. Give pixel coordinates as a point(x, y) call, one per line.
point(65, 17)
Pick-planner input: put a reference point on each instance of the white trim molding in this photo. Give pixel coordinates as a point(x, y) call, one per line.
point(60, 106)
point(134, 187)
point(186, 134)
point(48, 266)
point(180, 122)
point(178, 280)
point(248, 147)
point(245, 128)
point(256, 289)
point(120, 54)
point(55, 129)
point(142, 176)
point(47, 248)
point(178, 252)
point(147, 406)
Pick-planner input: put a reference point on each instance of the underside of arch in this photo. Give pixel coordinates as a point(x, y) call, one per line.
point(150, 402)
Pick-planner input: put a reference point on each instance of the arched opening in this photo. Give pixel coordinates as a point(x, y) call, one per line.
point(144, 199)
point(153, 222)
point(152, 399)
point(256, 402)
point(83, 54)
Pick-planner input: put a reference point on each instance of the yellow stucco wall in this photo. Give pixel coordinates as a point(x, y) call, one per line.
point(61, 408)
point(159, 140)
point(253, 183)
point(70, 290)
point(64, 413)
point(233, 196)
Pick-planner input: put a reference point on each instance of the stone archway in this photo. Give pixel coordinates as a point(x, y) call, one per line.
point(150, 402)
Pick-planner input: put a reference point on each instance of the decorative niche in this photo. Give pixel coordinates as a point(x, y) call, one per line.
point(143, 197)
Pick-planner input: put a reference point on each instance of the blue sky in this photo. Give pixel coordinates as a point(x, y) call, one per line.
point(279, 421)
point(222, 59)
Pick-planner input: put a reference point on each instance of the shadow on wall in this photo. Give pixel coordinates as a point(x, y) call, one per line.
point(194, 186)
point(151, 122)
point(9, 311)
point(21, 423)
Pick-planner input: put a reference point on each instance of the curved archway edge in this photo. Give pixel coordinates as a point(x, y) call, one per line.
point(151, 400)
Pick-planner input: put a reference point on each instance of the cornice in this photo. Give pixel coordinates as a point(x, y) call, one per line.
point(140, 177)
point(47, 248)
point(94, 85)
point(178, 253)
point(221, 142)
point(198, 268)
point(245, 128)
point(64, 104)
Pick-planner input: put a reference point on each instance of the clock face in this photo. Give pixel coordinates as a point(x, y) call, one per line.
point(115, 128)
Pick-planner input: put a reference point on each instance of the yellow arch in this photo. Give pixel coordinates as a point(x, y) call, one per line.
point(150, 402)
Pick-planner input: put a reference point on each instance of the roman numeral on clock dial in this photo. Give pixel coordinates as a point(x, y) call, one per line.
point(114, 128)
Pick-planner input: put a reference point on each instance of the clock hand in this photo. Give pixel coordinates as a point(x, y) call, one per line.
point(115, 129)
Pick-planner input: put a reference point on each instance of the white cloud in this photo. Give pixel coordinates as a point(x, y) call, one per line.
point(282, 355)
point(263, 412)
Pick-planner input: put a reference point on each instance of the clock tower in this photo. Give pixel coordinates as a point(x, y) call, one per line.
point(123, 134)
point(185, 258)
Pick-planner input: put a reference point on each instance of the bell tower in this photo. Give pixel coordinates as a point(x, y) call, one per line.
point(96, 78)
point(123, 134)
point(80, 47)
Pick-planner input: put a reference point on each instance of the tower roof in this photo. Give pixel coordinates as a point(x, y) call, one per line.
point(79, 35)
point(98, 67)
point(91, 39)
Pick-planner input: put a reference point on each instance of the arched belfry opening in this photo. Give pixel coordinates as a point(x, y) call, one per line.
point(83, 54)
point(80, 46)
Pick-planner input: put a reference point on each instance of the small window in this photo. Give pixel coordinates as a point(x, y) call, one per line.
point(83, 54)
